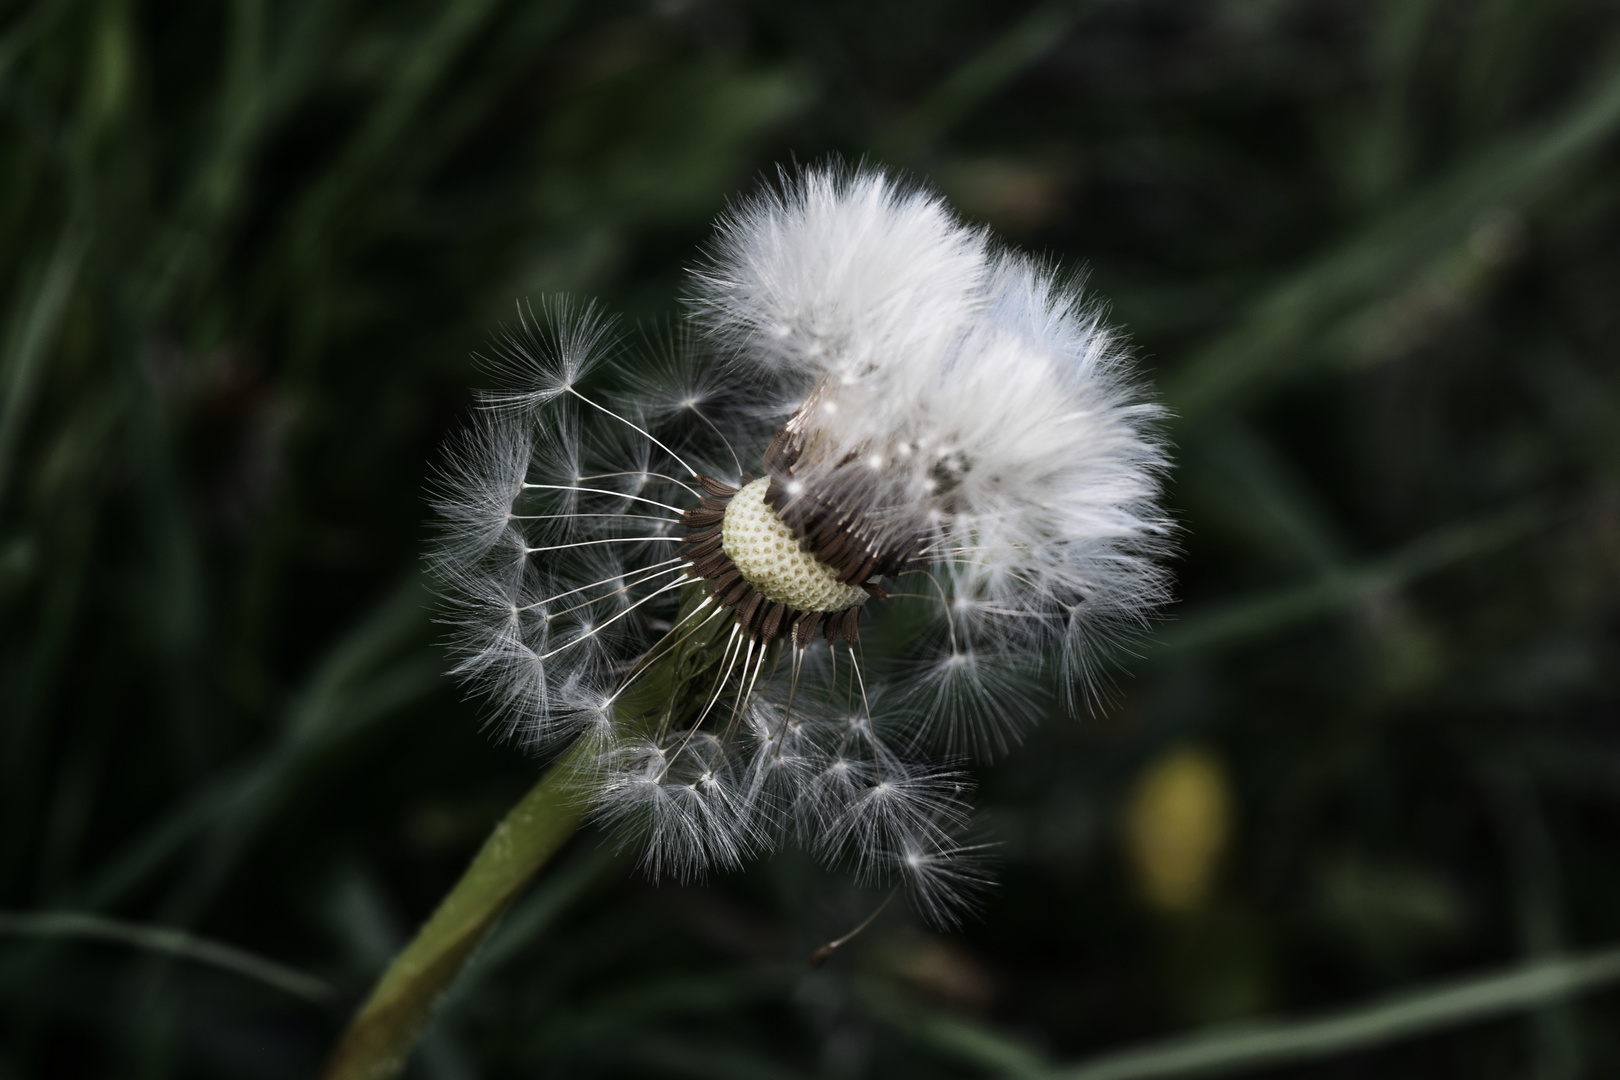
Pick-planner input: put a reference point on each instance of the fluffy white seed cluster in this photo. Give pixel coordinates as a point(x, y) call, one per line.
point(947, 400)
point(951, 390)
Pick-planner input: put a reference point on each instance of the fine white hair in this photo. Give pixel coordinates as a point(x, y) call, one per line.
point(959, 393)
point(837, 275)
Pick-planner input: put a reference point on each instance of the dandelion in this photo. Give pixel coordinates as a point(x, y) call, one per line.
point(785, 576)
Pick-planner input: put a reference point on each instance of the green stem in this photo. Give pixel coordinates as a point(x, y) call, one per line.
point(381, 1035)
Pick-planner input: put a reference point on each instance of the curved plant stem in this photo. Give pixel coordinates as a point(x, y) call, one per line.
point(380, 1037)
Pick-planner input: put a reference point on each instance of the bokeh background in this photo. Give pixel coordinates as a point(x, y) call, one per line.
point(1370, 252)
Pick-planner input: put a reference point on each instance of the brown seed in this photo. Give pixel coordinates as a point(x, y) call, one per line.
point(697, 517)
point(732, 594)
point(718, 488)
point(749, 607)
point(710, 566)
point(805, 628)
point(770, 623)
point(862, 571)
point(777, 450)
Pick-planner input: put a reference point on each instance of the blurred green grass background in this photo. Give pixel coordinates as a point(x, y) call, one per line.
point(1371, 252)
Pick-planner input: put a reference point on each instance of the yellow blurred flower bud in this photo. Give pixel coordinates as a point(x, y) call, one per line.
point(1177, 823)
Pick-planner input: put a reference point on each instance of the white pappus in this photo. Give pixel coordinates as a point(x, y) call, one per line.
point(894, 479)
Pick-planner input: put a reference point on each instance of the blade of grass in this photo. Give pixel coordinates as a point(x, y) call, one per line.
point(1512, 172)
point(670, 1056)
point(1502, 44)
point(27, 31)
point(1402, 1016)
point(1262, 1044)
point(312, 232)
point(238, 799)
point(307, 258)
point(262, 81)
point(65, 541)
point(1242, 620)
point(336, 705)
point(33, 327)
point(1532, 863)
point(433, 141)
point(341, 698)
point(1260, 489)
point(171, 585)
point(603, 1017)
point(1381, 153)
point(951, 1036)
point(168, 940)
point(1009, 55)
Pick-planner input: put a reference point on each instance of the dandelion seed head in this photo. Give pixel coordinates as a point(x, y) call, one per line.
point(875, 418)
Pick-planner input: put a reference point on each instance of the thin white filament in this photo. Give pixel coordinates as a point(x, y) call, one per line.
point(593, 543)
point(604, 625)
point(644, 474)
point(647, 663)
point(681, 461)
point(600, 491)
point(615, 592)
point(605, 581)
point(729, 449)
point(719, 688)
point(570, 517)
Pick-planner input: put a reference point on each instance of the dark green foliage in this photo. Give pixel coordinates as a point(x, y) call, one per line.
point(1371, 253)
